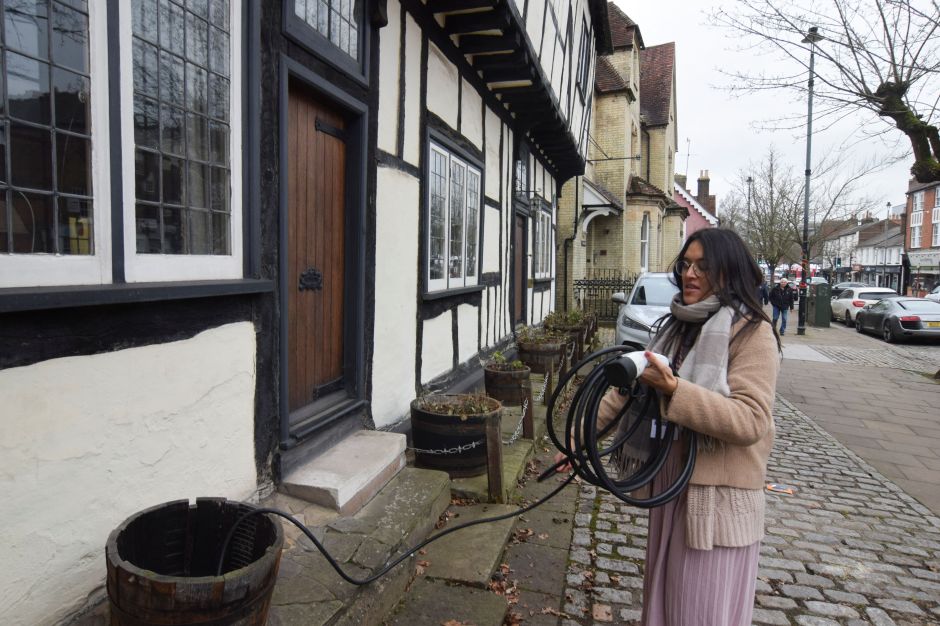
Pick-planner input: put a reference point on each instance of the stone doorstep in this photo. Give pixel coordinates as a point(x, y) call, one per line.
point(470, 555)
point(349, 474)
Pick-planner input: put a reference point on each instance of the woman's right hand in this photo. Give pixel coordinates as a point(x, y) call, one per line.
point(560, 456)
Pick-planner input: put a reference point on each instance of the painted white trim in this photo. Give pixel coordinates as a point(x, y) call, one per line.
point(711, 219)
point(48, 270)
point(165, 267)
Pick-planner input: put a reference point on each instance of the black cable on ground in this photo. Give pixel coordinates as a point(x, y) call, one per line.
point(402, 557)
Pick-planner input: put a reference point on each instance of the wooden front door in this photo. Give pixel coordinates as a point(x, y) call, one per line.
point(316, 267)
point(518, 270)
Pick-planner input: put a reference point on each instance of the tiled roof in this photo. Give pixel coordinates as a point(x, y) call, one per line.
point(606, 193)
point(623, 30)
point(606, 78)
point(640, 186)
point(657, 64)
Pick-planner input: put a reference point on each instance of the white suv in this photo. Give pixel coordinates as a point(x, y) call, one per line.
point(649, 300)
point(850, 302)
point(934, 294)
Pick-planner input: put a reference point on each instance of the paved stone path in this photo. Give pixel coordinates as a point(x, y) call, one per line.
point(849, 547)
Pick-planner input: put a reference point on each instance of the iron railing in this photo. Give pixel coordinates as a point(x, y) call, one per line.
point(593, 293)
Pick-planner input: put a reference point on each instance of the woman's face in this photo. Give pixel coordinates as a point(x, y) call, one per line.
point(695, 285)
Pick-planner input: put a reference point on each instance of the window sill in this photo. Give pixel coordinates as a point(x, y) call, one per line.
point(439, 295)
point(39, 298)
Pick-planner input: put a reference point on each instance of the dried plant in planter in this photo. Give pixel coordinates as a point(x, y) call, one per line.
point(499, 363)
point(462, 405)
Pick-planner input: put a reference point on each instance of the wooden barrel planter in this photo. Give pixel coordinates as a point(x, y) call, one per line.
point(510, 386)
point(162, 565)
point(444, 432)
point(575, 336)
point(541, 357)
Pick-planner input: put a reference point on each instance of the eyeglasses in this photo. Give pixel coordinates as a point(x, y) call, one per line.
point(699, 268)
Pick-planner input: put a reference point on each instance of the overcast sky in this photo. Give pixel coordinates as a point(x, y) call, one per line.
point(724, 132)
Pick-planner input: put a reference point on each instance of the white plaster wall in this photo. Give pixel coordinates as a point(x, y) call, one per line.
point(491, 239)
point(491, 154)
point(471, 121)
point(442, 86)
point(412, 91)
point(390, 45)
point(437, 353)
point(396, 284)
point(533, 22)
point(86, 441)
point(468, 317)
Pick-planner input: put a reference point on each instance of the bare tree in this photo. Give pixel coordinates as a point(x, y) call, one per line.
point(879, 56)
point(771, 222)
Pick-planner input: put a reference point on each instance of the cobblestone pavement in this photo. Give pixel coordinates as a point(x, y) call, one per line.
point(876, 357)
point(849, 547)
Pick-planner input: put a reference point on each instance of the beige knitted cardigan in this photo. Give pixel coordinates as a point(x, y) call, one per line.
point(726, 497)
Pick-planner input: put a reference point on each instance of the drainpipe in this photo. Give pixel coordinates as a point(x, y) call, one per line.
point(648, 150)
point(569, 240)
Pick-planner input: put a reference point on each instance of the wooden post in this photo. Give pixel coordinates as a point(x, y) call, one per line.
point(494, 458)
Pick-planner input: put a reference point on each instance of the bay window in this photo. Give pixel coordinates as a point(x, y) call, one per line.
point(179, 118)
point(454, 203)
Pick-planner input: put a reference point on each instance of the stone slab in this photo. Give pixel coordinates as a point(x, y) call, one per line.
point(804, 353)
point(470, 555)
point(350, 473)
point(436, 602)
point(514, 460)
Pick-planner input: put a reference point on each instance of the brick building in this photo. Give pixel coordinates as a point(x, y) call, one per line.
point(922, 236)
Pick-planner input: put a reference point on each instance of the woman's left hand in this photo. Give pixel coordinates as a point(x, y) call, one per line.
point(659, 376)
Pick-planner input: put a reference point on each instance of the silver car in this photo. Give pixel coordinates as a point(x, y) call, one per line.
point(901, 318)
point(648, 302)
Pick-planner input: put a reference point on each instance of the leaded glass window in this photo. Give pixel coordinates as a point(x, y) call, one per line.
point(543, 244)
point(45, 129)
point(182, 85)
point(454, 198)
point(337, 20)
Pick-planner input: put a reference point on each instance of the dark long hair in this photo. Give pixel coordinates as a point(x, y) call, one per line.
point(733, 274)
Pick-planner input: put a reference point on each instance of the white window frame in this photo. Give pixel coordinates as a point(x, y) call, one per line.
point(58, 270)
point(152, 267)
point(918, 201)
point(645, 243)
point(935, 221)
point(447, 283)
point(917, 220)
point(53, 270)
point(542, 268)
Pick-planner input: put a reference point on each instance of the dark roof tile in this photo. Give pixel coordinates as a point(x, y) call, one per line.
point(623, 30)
point(606, 78)
point(657, 66)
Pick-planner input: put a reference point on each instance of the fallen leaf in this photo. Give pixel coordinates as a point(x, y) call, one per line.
point(543, 536)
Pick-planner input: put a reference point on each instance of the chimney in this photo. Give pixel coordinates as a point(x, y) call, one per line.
point(682, 180)
point(702, 194)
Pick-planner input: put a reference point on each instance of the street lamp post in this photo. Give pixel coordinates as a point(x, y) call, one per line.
point(884, 248)
point(812, 36)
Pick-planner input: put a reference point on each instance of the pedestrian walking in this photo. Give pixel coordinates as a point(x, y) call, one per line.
point(703, 547)
point(763, 296)
point(782, 297)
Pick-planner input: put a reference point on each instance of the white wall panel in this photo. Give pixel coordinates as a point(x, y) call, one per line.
point(491, 239)
point(389, 40)
point(437, 354)
point(412, 91)
point(471, 122)
point(86, 441)
point(442, 86)
point(396, 283)
point(491, 154)
point(468, 319)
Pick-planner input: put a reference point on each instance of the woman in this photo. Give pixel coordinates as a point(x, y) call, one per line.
point(703, 547)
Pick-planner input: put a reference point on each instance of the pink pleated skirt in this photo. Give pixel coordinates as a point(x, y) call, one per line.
point(687, 587)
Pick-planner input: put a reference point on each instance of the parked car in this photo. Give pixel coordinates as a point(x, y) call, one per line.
point(648, 302)
point(934, 294)
point(838, 288)
point(816, 280)
point(853, 299)
point(897, 318)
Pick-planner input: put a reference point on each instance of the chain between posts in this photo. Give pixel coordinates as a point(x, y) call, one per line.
point(518, 432)
point(466, 447)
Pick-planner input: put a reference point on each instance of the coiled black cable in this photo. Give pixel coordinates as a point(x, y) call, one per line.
point(584, 445)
